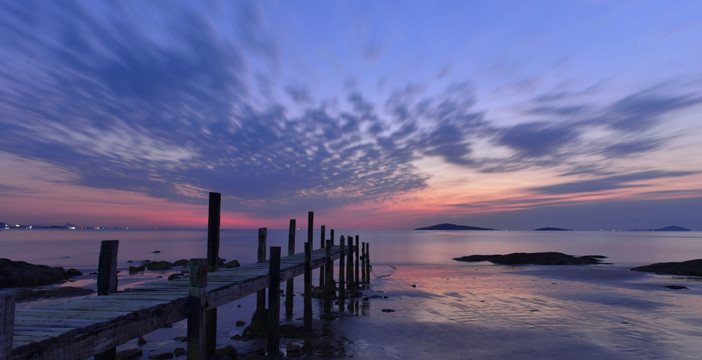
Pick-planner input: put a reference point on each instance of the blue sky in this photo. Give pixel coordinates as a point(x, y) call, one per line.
point(377, 114)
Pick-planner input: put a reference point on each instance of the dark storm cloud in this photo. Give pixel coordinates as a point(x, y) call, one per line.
point(608, 183)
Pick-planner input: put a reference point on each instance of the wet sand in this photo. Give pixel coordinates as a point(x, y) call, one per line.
point(482, 310)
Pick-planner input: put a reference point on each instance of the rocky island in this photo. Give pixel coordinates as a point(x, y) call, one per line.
point(685, 268)
point(540, 258)
point(452, 227)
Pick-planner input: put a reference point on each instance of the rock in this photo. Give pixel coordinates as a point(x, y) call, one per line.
point(240, 323)
point(317, 292)
point(141, 341)
point(540, 258)
point(20, 273)
point(175, 276)
point(161, 356)
point(387, 310)
point(181, 338)
point(476, 258)
point(236, 337)
point(130, 354)
point(258, 325)
point(231, 264)
point(182, 262)
point(687, 268)
point(293, 350)
point(156, 252)
point(179, 351)
point(227, 350)
point(73, 272)
point(159, 265)
point(63, 291)
point(136, 269)
point(677, 287)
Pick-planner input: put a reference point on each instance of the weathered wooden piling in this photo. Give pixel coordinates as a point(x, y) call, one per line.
point(289, 286)
point(342, 274)
point(363, 263)
point(107, 267)
point(357, 250)
point(329, 278)
point(368, 265)
point(349, 264)
point(307, 316)
point(197, 308)
point(213, 223)
point(7, 322)
point(273, 336)
point(261, 294)
point(213, 236)
point(107, 282)
point(323, 234)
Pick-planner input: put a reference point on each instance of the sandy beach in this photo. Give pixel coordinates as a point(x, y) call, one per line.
point(467, 311)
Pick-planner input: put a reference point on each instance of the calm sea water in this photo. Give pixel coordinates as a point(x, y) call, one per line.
point(433, 307)
point(80, 249)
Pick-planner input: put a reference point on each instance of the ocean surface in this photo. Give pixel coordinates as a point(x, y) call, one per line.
point(80, 248)
point(423, 305)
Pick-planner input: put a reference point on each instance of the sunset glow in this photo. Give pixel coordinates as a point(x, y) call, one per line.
point(375, 115)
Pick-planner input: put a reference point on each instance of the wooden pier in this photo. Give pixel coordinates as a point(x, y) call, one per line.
point(96, 325)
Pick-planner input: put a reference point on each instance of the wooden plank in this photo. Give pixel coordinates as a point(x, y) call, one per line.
point(83, 327)
point(7, 322)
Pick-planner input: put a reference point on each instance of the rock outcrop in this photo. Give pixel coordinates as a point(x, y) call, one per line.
point(541, 258)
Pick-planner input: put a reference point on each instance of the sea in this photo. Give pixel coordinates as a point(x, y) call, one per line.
point(422, 304)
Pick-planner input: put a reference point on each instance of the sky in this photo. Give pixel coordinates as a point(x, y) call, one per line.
point(373, 114)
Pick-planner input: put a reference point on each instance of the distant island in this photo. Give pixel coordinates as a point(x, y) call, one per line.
point(551, 228)
point(667, 228)
point(452, 227)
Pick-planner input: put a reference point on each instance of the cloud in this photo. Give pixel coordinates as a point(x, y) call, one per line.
point(536, 139)
point(608, 183)
point(642, 110)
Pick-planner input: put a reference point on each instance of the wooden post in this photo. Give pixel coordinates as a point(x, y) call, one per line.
point(310, 227)
point(107, 267)
point(329, 277)
point(363, 263)
point(7, 323)
point(261, 294)
point(331, 235)
point(349, 264)
point(368, 265)
point(342, 259)
point(213, 221)
point(213, 235)
point(289, 286)
point(357, 251)
point(107, 282)
point(273, 339)
point(321, 269)
point(308, 288)
point(197, 308)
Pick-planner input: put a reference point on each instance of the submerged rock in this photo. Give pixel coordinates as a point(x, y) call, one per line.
point(159, 265)
point(541, 258)
point(687, 268)
point(20, 273)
